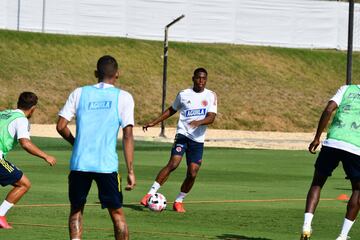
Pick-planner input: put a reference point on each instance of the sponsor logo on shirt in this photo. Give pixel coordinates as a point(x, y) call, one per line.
point(99, 105)
point(195, 112)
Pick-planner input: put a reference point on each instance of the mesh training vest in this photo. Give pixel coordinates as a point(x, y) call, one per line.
point(7, 142)
point(97, 126)
point(346, 123)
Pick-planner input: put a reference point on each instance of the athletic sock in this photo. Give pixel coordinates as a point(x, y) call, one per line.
point(346, 227)
point(180, 197)
point(4, 207)
point(154, 188)
point(308, 217)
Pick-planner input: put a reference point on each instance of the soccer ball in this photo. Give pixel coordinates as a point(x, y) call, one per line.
point(157, 202)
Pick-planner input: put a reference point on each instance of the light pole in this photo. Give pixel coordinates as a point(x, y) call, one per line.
point(166, 45)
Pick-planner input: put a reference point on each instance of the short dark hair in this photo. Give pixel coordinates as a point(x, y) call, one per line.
point(106, 67)
point(199, 70)
point(27, 100)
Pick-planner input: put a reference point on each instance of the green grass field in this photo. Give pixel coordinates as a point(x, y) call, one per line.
point(239, 194)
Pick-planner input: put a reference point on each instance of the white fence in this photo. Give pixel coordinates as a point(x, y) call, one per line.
point(286, 23)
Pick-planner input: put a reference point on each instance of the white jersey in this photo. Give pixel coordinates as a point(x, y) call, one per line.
point(125, 105)
point(194, 106)
point(337, 98)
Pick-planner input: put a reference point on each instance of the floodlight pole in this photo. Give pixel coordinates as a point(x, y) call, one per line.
point(43, 16)
point(166, 45)
point(350, 43)
point(18, 15)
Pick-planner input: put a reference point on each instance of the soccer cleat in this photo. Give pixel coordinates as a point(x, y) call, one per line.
point(3, 223)
point(144, 200)
point(342, 238)
point(179, 207)
point(305, 235)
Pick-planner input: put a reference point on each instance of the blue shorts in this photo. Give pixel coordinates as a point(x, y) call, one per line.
point(9, 173)
point(109, 188)
point(330, 157)
point(194, 150)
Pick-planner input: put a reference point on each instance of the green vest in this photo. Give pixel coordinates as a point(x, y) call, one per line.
point(346, 123)
point(7, 142)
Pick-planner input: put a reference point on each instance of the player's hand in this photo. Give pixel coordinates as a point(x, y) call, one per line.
point(146, 126)
point(194, 124)
point(131, 182)
point(313, 145)
point(50, 160)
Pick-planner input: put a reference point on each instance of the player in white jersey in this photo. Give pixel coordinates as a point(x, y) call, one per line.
point(198, 108)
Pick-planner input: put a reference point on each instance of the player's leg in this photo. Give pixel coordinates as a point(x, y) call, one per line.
point(313, 195)
point(121, 230)
point(76, 222)
point(110, 196)
point(353, 207)
point(79, 186)
point(164, 173)
point(325, 164)
point(10, 175)
point(177, 152)
point(194, 154)
point(351, 165)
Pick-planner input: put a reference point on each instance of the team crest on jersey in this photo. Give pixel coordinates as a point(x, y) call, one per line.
point(99, 105)
point(195, 112)
point(178, 149)
point(204, 103)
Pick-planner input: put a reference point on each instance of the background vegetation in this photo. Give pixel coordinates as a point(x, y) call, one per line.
point(259, 88)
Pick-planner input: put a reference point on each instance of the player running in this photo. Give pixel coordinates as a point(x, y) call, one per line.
point(14, 128)
point(198, 108)
point(342, 144)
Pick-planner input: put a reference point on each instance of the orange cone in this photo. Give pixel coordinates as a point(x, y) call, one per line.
point(343, 197)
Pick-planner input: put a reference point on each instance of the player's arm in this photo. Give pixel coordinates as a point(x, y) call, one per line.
point(31, 148)
point(209, 119)
point(63, 129)
point(165, 115)
point(323, 122)
point(128, 146)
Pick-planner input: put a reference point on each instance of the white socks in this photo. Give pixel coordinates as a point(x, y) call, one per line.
point(180, 197)
point(346, 227)
point(308, 217)
point(4, 207)
point(154, 188)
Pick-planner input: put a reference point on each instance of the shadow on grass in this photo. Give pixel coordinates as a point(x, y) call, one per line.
point(239, 237)
point(135, 207)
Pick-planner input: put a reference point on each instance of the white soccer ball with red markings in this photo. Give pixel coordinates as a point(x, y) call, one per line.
point(157, 202)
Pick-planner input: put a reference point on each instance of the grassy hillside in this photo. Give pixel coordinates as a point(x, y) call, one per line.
point(259, 88)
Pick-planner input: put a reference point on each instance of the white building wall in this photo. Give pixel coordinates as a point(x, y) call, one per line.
point(294, 23)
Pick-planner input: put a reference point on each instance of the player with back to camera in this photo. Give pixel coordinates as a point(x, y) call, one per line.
point(14, 128)
point(198, 108)
point(342, 144)
point(100, 111)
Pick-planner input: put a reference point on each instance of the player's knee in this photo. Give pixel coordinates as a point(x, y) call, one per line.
point(24, 183)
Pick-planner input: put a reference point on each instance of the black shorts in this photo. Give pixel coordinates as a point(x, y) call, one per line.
point(194, 150)
point(9, 173)
point(330, 157)
point(109, 188)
